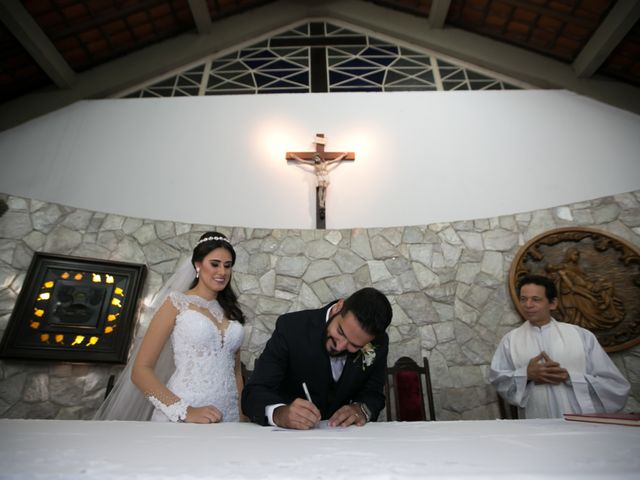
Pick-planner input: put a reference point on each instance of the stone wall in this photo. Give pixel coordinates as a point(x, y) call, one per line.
point(447, 283)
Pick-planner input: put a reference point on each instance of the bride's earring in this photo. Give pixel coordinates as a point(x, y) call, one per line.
point(197, 273)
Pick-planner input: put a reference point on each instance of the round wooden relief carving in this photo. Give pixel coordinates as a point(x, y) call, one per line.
point(598, 280)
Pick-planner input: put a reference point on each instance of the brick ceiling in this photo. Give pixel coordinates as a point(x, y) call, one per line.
point(81, 35)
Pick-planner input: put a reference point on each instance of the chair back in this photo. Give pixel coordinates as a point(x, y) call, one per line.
point(110, 384)
point(245, 372)
point(507, 411)
point(405, 387)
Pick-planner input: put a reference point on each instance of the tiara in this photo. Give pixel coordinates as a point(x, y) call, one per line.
point(211, 239)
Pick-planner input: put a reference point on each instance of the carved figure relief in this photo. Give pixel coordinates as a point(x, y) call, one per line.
point(598, 280)
point(588, 300)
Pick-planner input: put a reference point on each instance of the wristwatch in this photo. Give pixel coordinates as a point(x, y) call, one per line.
point(365, 410)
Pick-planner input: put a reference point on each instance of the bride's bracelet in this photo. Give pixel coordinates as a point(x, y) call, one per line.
point(176, 412)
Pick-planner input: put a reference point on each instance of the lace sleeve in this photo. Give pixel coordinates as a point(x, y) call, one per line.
point(176, 412)
point(173, 407)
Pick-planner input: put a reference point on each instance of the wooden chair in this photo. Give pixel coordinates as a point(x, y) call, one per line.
point(246, 373)
point(405, 385)
point(507, 411)
point(110, 384)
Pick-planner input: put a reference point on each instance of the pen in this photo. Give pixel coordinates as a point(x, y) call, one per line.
point(306, 391)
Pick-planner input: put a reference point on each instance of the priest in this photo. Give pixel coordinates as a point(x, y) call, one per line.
point(547, 368)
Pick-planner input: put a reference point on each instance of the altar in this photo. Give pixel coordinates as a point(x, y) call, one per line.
point(70, 449)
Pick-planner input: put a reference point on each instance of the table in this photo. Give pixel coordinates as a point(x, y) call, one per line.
point(72, 449)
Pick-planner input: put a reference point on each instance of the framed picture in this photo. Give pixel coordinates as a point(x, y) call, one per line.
point(74, 309)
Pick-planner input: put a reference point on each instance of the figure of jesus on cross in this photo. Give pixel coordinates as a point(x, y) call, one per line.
point(322, 163)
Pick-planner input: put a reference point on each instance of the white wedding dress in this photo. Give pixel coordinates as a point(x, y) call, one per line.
point(204, 349)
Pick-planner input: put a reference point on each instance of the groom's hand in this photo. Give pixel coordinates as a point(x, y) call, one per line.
point(208, 414)
point(300, 415)
point(348, 415)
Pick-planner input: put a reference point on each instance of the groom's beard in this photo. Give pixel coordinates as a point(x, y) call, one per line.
point(328, 341)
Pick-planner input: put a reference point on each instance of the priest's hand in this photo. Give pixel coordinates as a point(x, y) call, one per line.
point(206, 414)
point(300, 415)
point(348, 415)
point(542, 369)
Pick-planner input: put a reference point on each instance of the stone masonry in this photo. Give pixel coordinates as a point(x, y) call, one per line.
point(447, 283)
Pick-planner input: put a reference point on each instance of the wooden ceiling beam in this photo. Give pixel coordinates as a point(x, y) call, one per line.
point(438, 13)
point(201, 16)
point(33, 39)
point(611, 31)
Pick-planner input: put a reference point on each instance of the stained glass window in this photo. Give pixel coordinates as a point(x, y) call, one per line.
point(323, 57)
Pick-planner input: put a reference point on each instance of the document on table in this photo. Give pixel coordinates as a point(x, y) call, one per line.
point(323, 425)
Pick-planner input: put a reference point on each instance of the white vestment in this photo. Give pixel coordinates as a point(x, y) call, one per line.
point(595, 384)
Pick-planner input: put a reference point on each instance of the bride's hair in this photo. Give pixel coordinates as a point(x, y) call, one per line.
point(227, 298)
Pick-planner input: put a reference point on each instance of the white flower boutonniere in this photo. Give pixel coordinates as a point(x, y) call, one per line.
point(368, 354)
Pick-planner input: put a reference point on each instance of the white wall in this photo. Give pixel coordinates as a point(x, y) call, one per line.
point(421, 157)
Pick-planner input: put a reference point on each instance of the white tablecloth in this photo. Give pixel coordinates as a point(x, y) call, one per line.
point(65, 449)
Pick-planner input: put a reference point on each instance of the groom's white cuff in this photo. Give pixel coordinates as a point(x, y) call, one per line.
point(268, 411)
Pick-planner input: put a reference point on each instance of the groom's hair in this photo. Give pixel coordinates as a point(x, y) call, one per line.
point(371, 308)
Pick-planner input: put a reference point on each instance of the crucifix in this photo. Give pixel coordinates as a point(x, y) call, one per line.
point(322, 162)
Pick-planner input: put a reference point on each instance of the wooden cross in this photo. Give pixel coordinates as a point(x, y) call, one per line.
point(320, 161)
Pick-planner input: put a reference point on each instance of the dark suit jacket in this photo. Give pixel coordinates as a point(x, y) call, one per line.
point(296, 353)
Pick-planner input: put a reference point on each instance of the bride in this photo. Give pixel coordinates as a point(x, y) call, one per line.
point(187, 368)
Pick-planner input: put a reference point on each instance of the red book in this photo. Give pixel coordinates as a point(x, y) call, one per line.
point(632, 419)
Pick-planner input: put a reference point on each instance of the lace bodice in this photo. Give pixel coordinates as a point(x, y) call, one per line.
point(204, 346)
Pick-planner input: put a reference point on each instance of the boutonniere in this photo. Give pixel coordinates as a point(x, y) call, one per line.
point(368, 354)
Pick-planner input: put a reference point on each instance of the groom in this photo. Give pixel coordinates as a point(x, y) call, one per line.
point(339, 352)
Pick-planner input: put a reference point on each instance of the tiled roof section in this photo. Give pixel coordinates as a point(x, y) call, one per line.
point(559, 29)
point(89, 33)
point(19, 73)
point(556, 28)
